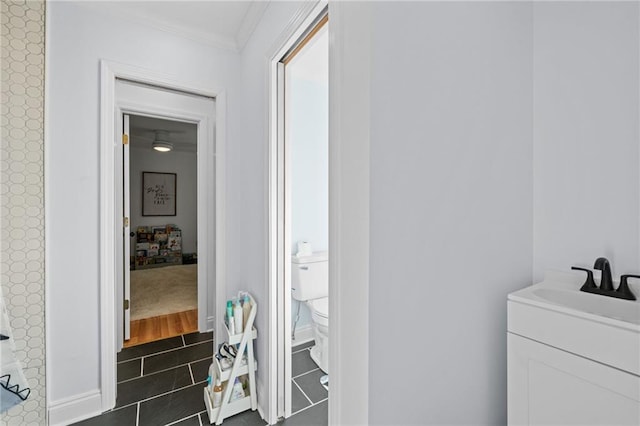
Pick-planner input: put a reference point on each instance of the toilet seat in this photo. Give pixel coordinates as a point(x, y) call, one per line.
point(320, 307)
point(320, 311)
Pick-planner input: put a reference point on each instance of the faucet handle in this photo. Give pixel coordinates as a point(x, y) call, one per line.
point(589, 283)
point(624, 289)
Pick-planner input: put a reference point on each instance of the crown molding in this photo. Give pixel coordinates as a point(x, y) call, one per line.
point(235, 44)
point(250, 22)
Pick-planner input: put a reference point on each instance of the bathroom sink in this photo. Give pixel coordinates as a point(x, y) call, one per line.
point(608, 307)
point(555, 312)
point(573, 357)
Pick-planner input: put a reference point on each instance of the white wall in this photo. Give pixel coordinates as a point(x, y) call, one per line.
point(79, 38)
point(451, 206)
point(309, 164)
point(309, 155)
point(586, 133)
point(504, 141)
point(184, 165)
point(247, 202)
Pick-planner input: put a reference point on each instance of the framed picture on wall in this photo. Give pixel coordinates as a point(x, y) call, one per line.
point(158, 194)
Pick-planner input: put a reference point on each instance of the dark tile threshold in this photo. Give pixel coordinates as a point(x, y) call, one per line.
point(174, 358)
point(150, 348)
point(197, 337)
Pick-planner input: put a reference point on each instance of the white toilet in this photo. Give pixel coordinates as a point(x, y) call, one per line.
point(310, 284)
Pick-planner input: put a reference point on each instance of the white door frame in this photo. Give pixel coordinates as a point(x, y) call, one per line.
point(126, 230)
point(139, 106)
point(111, 221)
point(279, 247)
point(349, 144)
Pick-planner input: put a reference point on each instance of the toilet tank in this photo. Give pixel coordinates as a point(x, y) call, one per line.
point(310, 276)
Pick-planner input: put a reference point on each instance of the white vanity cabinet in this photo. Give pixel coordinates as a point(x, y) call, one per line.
point(548, 386)
point(573, 357)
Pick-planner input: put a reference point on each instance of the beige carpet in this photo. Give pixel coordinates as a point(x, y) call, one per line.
point(162, 291)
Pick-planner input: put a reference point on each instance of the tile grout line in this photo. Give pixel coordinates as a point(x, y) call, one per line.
point(305, 373)
point(200, 419)
point(159, 395)
point(164, 351)
point(137, 413)
point(309, 406)
point(141, 367)
point(165, 370)
point(293, 352)
point(305, 395)
point(193, 382)
point(184, 343)
point(184, 418)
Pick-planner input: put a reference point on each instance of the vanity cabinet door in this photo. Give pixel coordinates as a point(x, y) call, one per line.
point(548, 386)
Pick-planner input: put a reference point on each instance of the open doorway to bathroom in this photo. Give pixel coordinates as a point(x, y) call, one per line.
point(300, 226)
point(163, 273)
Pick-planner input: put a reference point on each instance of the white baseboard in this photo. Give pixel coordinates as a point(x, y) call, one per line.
point(261, 412)
point(265, 399)
point(75, 408)
point(303, 334)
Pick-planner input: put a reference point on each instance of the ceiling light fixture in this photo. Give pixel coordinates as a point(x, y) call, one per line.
point(161, 142)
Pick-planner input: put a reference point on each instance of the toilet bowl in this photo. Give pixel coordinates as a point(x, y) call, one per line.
point(320, 316)
point(310, 284)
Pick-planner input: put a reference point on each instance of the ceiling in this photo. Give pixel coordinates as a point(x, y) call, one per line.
point(183, 136)
point(224, 24)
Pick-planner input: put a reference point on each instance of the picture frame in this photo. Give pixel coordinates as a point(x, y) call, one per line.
point(159, 194)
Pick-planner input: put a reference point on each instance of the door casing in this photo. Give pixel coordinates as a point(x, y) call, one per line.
point(143, 100)
point(111, 220)
point(279, 247)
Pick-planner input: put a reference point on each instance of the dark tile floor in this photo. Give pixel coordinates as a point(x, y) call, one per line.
point(306, 390)
point(160, 383)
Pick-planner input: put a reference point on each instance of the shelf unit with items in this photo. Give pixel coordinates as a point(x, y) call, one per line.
point(243, 343)
point(157, 246)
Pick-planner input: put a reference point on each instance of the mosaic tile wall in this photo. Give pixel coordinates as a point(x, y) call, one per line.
point(22, 195)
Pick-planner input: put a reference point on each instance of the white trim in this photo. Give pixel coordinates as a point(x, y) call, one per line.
point(108, 334)
point(233, 43)
point(75, 409)
point(349, 125)
point(250, 22)
point(108, 222)
point(304, 335)
point(279, 287)
point(214, 40)
point(261, 409)
point(205, 162)
point(47, 215)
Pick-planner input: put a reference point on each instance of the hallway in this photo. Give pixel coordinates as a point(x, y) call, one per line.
point(160, 383)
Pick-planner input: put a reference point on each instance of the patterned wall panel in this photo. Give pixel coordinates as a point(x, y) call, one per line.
point(22, 195)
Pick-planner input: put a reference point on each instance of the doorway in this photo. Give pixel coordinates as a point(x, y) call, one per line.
point(140, 108)
point(161, 175)
point(299, 225)
point(126, 89)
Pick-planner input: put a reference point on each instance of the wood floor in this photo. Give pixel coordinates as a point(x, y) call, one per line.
point(161, 327)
